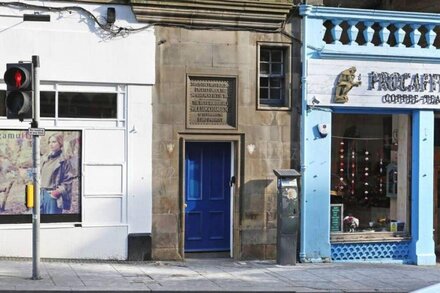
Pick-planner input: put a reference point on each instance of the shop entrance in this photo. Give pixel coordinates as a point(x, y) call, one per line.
point(207, 196)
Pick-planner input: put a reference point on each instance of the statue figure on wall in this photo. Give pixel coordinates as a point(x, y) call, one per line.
point(345, 83)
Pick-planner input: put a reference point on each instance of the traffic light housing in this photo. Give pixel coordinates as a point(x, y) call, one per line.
point(19, 81)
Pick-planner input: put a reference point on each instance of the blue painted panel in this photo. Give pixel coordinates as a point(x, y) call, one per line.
point(371, 252)
point(422, 199)
point(217, 219)
point(196, 220)
point(218, 179)
point(315, 203)
point(208, 171)
point(194, 163)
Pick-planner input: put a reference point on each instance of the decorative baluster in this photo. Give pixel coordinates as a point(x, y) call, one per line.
point(368, 33)
point(414, 36)
point(323, 32)
point(336, 31)
point(430, 36)
point(352, 32)
point(399, 34)
point(384, 34)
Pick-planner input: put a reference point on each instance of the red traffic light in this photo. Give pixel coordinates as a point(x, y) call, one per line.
point(19, 85)
point(18, 77)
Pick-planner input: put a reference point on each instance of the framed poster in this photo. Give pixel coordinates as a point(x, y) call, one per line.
point(60, 162)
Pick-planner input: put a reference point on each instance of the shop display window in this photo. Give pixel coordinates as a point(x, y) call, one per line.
point(370, 185)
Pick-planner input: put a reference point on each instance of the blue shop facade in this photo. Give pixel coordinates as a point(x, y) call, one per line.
point(370, 106)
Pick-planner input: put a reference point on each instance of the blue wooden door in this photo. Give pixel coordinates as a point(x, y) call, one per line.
point(207, 195)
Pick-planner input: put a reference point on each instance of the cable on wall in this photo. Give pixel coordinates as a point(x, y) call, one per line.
point(112, 30)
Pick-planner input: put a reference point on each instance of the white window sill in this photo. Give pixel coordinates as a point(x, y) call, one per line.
point(368, 236)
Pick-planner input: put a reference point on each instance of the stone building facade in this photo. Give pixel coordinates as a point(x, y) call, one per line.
point(217, 49)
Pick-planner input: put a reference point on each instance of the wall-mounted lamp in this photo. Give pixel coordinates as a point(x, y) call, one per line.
point(251, 148)
point(170, 148)
point(111, 16)
point(315, 101)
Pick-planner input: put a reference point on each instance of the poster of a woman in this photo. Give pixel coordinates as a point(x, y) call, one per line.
point(56, 178)
point(60, 172)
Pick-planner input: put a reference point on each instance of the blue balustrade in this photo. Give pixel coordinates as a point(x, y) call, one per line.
point(374, 32)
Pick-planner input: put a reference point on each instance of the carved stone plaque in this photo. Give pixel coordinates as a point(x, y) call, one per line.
point(211, 102)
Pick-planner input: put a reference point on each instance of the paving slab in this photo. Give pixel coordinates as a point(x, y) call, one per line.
point(213, 275)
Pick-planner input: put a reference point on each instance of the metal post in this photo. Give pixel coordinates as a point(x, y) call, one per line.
point(37, 175)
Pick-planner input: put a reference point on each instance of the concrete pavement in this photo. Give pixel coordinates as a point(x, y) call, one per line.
point(214, 275)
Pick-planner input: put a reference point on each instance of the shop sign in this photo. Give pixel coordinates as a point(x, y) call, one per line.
point(378, 84)
point(336, 216)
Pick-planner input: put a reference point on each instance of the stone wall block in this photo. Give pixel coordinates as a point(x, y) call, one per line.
point(283, 118)
point(275, 150)
point(170, 35)
point(253, 220)
point(165, 223)
point(173, 74)
point(166, 205)
point(250, 251)
point(271, 236)
point(203, 54)
point(270, 251)
point(162, 115)
point(254, 168)
point(171, 93)
point(179, 113)
point(204, 37)
point(246, 98)
point(224, 55)
point(253, 237)
point(275, 133)
point(162, 132)
point(165, 240)
point(170, 54)
point(166, 254)
point(286, 134)
point(265, 37)
point(265, 118)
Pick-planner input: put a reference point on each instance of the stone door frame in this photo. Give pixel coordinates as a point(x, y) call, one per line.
point(237, 141)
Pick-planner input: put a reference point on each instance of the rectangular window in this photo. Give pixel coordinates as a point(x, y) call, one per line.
point(73, 105)
point(87, 105)
point(47, 104)
point(273, 76)
point(368, 181)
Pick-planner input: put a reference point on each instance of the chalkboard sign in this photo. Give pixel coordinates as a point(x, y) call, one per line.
point(336, 215)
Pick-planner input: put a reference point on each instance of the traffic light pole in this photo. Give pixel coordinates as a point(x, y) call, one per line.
point(37, 173)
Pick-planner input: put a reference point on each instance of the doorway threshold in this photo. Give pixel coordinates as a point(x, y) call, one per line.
point(211, 254)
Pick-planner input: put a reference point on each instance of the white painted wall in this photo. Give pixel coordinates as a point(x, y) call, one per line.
point(116, 154)
point(140, 130)
point(72, 48)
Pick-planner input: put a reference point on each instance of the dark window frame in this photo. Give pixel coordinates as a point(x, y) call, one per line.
point(273, 76)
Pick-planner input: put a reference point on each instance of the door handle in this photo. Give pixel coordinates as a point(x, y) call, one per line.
point(232, 181)
point(185, 205)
